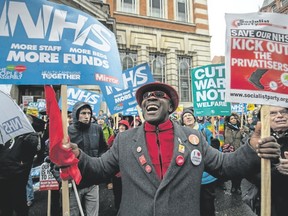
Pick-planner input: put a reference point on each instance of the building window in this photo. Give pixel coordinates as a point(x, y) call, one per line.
point(128, 59)
point(156, 8)
point(182, 10)
point(184, 79)
point(128, 6)
point(157, 65)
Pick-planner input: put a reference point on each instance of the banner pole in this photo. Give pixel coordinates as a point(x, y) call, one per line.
point(265, 165)
point(242, 116)
point(49, 203)
point(65, 186)
point(140, 113)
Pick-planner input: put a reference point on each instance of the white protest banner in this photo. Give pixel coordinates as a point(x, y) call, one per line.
point(256, 58)
point(26, 99)
point(47, 180)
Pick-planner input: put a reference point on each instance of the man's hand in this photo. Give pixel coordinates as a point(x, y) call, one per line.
point(283, 165)
point(74, 148)
point(267, 147)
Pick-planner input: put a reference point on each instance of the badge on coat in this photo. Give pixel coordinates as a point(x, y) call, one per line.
point(180, 160)
point(193, 139)
point(181, 148)
point(196, 157)
point(139, 149)
point(148, 168)
point(142, 160)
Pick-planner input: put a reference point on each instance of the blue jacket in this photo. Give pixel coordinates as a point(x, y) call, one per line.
point(206, 177)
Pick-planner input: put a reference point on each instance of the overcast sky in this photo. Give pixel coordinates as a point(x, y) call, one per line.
point(217, 26)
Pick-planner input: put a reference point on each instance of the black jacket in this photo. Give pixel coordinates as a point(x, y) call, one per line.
point(89, 139)
point(279, 186)
point(16, 156)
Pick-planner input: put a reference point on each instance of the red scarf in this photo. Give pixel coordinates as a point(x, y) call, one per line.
point(160, 144)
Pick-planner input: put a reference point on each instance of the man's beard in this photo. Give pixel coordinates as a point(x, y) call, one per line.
point(82, 126)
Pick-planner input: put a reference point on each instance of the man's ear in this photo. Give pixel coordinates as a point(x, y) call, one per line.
point(170, 107)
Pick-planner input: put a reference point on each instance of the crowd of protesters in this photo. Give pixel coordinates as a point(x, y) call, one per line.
point(94, 135)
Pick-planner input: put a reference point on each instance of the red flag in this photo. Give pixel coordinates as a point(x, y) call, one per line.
point(59, 155)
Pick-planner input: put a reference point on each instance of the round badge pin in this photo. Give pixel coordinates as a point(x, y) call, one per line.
point(148, 168)
point(193, 139)
point(180, 160)
point(139, 149)
point(196, 157)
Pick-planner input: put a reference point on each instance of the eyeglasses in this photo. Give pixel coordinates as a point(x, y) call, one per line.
point(157, 94)
point(85, 113)
point(283, 112)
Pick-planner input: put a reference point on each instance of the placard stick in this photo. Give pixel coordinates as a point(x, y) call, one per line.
point(49, 203)
point(65, 187)
point(140, 113)
point(265, 165)
point(116, 121)
point(242, 116)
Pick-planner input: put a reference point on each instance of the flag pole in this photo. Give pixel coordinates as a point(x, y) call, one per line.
point(49, 203)
point(65, 187)
point(265, 165)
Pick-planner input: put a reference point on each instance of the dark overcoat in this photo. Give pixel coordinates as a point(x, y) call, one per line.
point(144, 194)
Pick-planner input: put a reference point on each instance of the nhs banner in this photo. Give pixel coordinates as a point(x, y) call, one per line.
point(75, 94)
point(239, 108)
point(130, 112)
point(48, 43)
point(118, 99)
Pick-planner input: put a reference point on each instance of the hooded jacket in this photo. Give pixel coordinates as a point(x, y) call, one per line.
point(89, 138)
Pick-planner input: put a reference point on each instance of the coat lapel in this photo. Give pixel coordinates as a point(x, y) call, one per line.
point(142, 156)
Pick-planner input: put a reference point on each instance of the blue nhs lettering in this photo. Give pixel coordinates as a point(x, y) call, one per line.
point(12, 125)
point(52, 23)
point(132, 78)
point(80, 95)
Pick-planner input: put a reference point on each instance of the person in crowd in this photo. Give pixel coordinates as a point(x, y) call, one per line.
point(39, 126)
point(200, 119)
point(123, 125)
point(108, 132)
point(255, 115)
point(137, 121)
point(161, 163)
point(16, 158)
point(128, 118)
point(233, 136)
point(105, 117)
point(90, 139)
point(279, 172)
point(69, 118)
point(208, 184)
point(29, 190)
point(250, 124)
